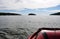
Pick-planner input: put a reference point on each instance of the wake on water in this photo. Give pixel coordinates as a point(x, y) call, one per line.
point(19, 33)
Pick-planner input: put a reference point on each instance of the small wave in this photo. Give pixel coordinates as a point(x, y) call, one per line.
point(19, 33)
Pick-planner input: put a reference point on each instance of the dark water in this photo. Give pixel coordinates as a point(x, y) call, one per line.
point(20, 27)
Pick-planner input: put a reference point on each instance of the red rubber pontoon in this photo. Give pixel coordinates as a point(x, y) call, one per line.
point(46, 33)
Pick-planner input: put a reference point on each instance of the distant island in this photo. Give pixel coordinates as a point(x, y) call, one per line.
point(31, 14)
point(58, 13)
point(2, 13)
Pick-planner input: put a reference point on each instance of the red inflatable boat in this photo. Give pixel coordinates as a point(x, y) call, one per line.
point(46, 33)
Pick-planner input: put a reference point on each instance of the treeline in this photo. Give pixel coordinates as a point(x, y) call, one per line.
point(58, 13)
point(2, 13)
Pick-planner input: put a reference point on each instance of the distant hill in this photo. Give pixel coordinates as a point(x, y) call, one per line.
point(58, 13)
point(31, 14)
point(2, 13)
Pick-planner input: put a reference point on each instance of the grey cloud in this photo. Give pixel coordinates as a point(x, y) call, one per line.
point(31, 4)
point(18, 1)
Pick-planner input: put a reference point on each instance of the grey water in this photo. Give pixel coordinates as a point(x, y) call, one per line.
point(20, 27)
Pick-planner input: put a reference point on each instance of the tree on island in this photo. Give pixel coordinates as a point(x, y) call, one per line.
point(58, 13)
point(31, 14)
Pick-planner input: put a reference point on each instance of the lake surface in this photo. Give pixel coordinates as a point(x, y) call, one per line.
point(26, 24)
point(29, 21)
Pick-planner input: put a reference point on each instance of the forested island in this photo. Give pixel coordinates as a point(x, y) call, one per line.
point(58, 13)
point(31, 14)
point(2, 13)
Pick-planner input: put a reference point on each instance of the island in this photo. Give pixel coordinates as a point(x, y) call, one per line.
point(31, 14)
point(3, 13)
point(58, 13)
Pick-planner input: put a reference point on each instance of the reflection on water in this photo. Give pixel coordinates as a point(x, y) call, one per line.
point(20, 27)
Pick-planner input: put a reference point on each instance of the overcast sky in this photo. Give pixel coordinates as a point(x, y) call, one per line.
point(27, 6)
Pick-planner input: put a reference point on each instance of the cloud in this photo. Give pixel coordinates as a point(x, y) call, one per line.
point(54, 11)
point(31, 4)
